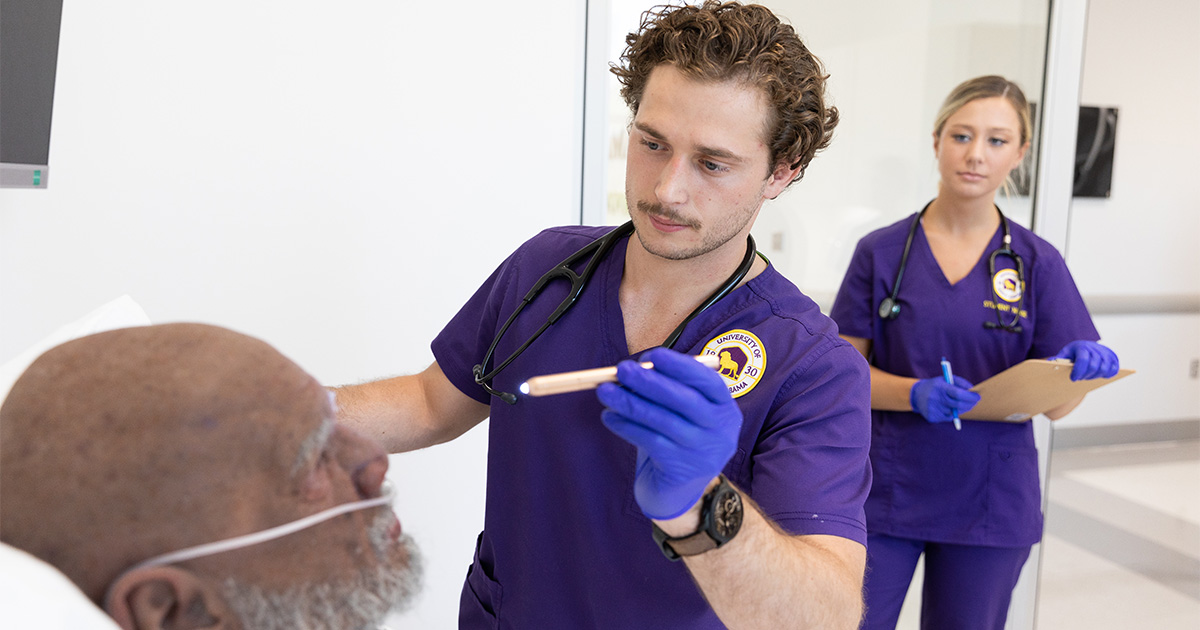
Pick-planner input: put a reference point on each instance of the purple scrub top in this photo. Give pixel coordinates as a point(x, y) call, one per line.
point(977, 486)
point(564, 544)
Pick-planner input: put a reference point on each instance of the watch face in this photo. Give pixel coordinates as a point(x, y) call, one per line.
point(727, 514)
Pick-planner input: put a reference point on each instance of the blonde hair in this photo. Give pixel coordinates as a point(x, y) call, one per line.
point(986, 87)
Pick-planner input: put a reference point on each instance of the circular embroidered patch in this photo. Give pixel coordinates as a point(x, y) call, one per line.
point(1007, 285)
point(743, 359)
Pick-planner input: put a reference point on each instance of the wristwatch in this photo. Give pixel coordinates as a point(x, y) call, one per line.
point(720, 520)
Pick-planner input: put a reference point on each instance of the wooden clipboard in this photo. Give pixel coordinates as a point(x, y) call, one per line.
point(1031, 387)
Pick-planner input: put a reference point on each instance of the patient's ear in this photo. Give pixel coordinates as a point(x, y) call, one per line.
point(160, 598)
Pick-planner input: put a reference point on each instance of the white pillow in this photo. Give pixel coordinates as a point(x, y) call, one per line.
point(122, 312)
point(34, 594)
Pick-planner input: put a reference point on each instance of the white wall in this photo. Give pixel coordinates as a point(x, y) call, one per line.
point(1141, 247)
point(1144, 59)
point(335, 178)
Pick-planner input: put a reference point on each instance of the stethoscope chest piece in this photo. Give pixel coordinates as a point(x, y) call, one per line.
point(889, 308)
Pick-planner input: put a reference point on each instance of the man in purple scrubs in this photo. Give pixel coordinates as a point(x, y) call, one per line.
point(753, 475)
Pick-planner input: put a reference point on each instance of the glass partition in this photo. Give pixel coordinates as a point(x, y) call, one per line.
point(890, 66)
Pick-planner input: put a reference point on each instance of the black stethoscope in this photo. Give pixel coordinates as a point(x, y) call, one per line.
point(889, 308)
point(597, 249)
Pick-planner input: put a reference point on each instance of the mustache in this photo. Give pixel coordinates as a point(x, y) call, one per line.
point(669, 216)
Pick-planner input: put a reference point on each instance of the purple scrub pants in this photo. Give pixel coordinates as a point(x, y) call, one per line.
point(965, 587)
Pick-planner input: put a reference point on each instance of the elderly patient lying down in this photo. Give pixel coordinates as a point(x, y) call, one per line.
point(124, 454)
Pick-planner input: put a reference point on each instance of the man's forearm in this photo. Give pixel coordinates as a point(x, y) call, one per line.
point(370, 409)
point(766, 578)
point(405, 413)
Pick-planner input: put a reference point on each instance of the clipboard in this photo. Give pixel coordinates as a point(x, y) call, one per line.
point(1031, 387)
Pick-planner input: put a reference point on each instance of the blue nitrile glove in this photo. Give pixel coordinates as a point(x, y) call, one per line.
point(1091, 360)
point(683, 422)
point(937, 400)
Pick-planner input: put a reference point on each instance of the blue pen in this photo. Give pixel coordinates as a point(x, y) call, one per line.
point(949, 376)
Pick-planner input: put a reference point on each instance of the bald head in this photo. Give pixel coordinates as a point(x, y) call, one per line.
point(129, 443)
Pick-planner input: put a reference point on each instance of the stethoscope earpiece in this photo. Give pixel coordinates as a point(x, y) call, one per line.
point(1009, 327)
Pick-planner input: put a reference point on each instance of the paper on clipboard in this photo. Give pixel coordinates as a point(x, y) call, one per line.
point(1031, 387)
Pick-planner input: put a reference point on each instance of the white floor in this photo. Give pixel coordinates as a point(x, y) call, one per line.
point(1122, 541)
point(1121, 548)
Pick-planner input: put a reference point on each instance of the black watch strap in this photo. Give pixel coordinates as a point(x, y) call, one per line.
point(720, 519)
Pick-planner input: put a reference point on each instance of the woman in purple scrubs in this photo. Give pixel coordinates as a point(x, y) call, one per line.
point(985, 294)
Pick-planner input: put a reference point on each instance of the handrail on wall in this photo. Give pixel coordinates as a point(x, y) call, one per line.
point(1142, 304)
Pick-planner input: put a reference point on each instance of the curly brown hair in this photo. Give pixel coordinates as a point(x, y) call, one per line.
point(729, 41)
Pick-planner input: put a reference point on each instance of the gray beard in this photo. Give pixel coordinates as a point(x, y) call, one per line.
point(360, 603)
